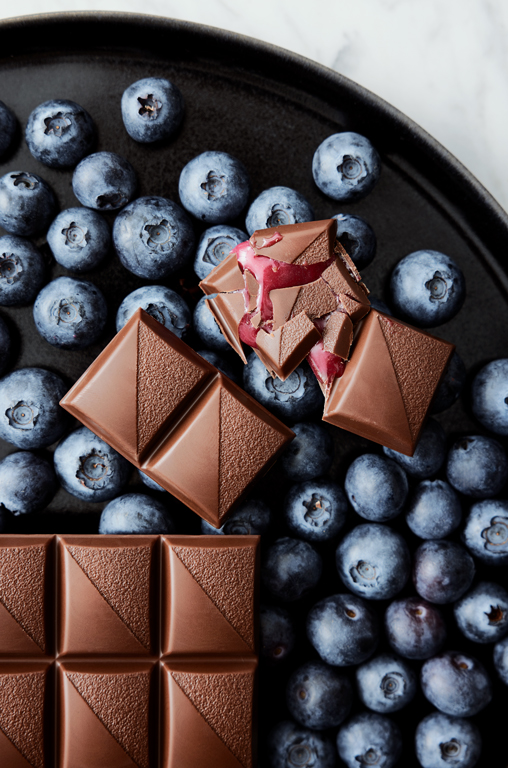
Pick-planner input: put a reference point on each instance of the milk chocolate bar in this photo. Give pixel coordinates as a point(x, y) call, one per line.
point(116, 650)
point(177, 418)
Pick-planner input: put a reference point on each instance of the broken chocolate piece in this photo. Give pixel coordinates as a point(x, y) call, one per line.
point(338, 334)
point(307, 243)
point(283, 350)
point(225, 277)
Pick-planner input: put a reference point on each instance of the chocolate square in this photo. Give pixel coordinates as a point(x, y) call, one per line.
point(23, 708)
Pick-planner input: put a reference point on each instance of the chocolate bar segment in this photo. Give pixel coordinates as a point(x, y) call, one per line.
point(22, 705)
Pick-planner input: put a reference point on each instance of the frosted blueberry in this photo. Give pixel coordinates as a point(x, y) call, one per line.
point(456, 684)
point(477, 466)
point(376, 487)
point(22, 271)
point(59, 133)
point(104, 181)
point(161, 303)
point(214, 187)
point(135, 513)
point(319, 696)
point(386, 683)
point(442, 741)
point(27, 483)
point(369, 739)
point(27, 203)
point(276, 207)
point(214, 245)
point(486, 531)
point(346, 166)
point(152, 109)
point(489, 396)
point(79, 239)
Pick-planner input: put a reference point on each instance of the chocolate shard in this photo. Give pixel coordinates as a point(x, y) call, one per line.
point(306, 243)
point(355, 309)
point(228, 309)
point(225, 277)
point(338, 334)
point(315, 299)
point(284, 349)
point(340, 281)
point(388, 383)
point(252, 287)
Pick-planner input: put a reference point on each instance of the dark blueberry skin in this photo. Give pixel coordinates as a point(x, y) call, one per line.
point(376, 487)
point(5, 346)
point(60, 133)
point(27, 203)
point(150, 483)
point(434, 510)
point(221, 363)
point(70, 313)
point(153, 237)
point(450, 386)
point(486, 531)
point(477, 466)
point(90, 469)
point(319, 696)
point(207, 328)
point(482, 613)
point(276, 207)
point(369, 739)
point(343, 629)
point(214, 187)
point(278, 635)
point(152, 109)
point(489, 396)
point(30, 416)
point(415, 629)
point(315, 510)
point(214, 245)
point(501, 659)
point(456, 684)
point(8, 125)
point(386, 683)
point(161, 303)
point(310, 454)
point(22, 271)
point(79, 239)
point(295, 399)
point(291, 746)
point(346, 166)
point(251, 518)
point(443, 571)
point(429, 455)
point(427, 288)
point(373, 561)
point(291, 569)
point(135, 513)
point(357, 237)
point(27, 483)
point(104, 181)
point(442, 741)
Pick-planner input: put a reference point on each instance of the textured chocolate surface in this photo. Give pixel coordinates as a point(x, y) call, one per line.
point(153, 651)
point(173, 415)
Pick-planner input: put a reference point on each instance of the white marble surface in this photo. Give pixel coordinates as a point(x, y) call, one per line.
point(444, 63)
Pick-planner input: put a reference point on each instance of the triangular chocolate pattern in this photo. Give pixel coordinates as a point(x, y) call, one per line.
point(122, 577)
point(317, 251)
point(21, 714)
point(225, 702)
point(120, 701)
point(226, 574)
point(22, 588)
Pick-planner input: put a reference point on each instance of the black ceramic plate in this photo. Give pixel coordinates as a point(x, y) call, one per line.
point(270, 109)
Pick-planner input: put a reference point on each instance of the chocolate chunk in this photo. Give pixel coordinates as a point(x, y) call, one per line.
point(228, 310)
point(338, 334)
point(283, 350)
point(307, 243)
point(225, 277)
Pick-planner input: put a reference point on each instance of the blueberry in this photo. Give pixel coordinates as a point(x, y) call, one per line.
point(443, 571)
point(27, 483)
point(27, 203)
point(386, 683)
point(477, 466)
point(376, 487)
point(456, 684)
point(291, 569)
point(30, 416)
point(489, 396)
point(451, 384)
point(486, 531)
point(135, 513)
point(346, 166)
point(295, 399)
point(434, 510)
point(442, 741)
point(5, 346)
point(59, 133)
point(482, 613)
point(373, 561)
point(415, 629)
point(501, 659)
point(89, 468)
point(291, 746)
point(150, 483)
point(104, 181)
point(276, 207)
point(214, 187)
point(161, 303)
point(310, 454)
point(429, 455)
point(427, 288)
point(70, 313)
point(221, 363)
point(22, 271)
point(277, 631)
point(79, 239)
point(153, 237)
point(357, 237)
point(207, 328)
point(8, 127)
point(318, 696)
point(152, 109)
point(343, 629)
point(214, 245)
point(369, 739)
point(251, 518)
point(315, 510)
